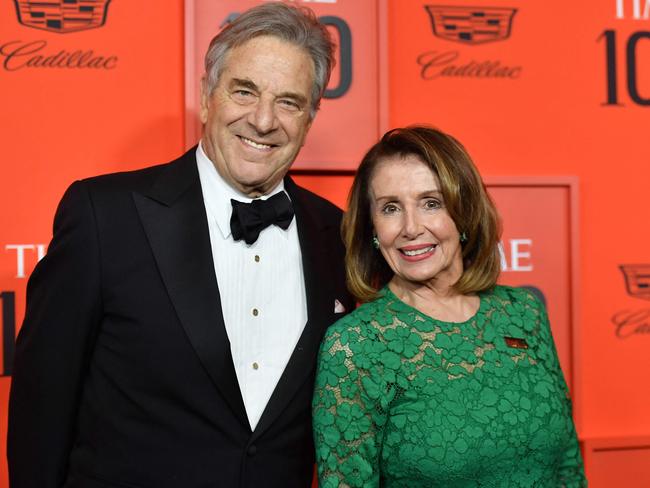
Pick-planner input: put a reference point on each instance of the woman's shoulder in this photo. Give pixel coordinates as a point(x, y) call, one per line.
point(517, 312)
point(514, 296)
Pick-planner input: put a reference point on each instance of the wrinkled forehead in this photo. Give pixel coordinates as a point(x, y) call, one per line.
point(265, 45)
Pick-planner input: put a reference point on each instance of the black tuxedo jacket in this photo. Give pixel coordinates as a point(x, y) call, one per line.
point(123, 375)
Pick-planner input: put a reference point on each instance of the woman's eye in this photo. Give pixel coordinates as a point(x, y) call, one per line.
point(433, 204)
point(389, 208)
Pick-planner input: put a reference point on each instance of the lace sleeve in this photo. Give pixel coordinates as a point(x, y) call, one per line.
point(571, 469)
point(347, 413)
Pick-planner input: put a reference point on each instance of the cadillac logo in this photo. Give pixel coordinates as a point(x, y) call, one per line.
point(471, 25)
point(637, 280)
point(62, 15)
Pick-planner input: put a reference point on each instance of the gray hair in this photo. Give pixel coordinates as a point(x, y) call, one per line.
point(296, 25)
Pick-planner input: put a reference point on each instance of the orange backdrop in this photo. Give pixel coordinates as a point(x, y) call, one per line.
point(552, 101)
point(63, 123)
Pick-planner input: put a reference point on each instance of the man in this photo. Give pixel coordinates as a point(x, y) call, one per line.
point(170, 335)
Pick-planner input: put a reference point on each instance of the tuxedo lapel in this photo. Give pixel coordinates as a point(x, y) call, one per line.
point(173, 215)
point(318, 279)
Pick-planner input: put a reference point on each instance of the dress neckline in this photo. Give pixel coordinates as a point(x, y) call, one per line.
point(388, 293)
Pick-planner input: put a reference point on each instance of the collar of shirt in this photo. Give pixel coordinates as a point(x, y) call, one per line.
point(217, 192)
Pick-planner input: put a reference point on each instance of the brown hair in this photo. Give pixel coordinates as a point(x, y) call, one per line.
point(466, 200)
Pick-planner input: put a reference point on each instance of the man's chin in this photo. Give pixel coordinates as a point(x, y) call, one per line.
point(255, 185)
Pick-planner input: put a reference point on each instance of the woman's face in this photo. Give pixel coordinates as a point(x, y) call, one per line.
point(417, 237)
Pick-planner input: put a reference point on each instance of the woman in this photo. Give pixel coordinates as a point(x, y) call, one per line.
point(441, 378)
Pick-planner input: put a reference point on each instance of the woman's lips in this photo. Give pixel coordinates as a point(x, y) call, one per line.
point(417, 252)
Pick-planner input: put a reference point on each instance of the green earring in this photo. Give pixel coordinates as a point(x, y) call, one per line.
point(375, 242)
point(463, 237)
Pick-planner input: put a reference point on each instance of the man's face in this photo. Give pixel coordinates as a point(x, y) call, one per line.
point(257, 117)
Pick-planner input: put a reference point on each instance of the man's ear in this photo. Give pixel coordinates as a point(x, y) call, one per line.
point(205, 100)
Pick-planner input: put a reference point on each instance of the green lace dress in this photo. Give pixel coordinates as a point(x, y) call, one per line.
point(404, 400)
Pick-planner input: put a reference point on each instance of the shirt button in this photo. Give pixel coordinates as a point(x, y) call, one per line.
point(252, 450)
point(257, 258)
point(256, 312)
point(256, 366)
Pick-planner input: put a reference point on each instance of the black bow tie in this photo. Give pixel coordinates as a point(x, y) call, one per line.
point(249, 219)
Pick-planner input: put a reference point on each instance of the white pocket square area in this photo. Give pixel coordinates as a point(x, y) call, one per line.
point(338, 307)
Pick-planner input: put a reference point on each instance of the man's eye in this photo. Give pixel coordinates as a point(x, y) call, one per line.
point(242, 94)
point(289, 104)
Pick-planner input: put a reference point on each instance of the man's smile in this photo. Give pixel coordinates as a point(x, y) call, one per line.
point(256, 145)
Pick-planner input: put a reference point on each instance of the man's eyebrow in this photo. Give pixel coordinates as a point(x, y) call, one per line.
point(243, 83)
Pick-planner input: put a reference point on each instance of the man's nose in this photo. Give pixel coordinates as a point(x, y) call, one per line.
point(263, 116)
